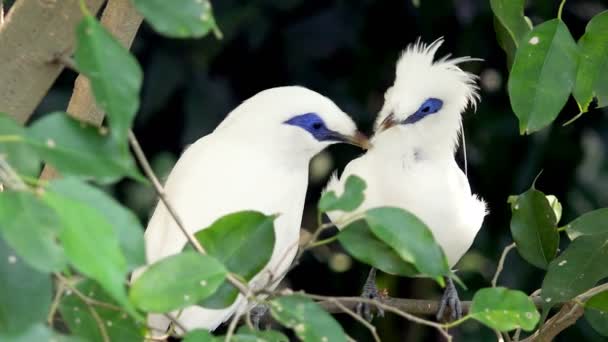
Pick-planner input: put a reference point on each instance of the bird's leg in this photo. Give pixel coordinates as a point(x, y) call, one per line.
point(257, 313)
point(370, 291)
point(451, 301)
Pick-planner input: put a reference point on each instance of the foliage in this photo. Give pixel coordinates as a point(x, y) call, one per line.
point(72, 234)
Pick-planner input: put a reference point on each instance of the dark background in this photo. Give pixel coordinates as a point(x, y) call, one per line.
point(347, 50)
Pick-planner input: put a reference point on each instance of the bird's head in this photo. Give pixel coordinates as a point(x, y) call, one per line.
point(428, 96)
point(295, 120)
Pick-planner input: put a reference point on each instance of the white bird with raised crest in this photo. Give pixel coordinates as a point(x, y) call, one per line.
point(411, 163)
point(256, 159)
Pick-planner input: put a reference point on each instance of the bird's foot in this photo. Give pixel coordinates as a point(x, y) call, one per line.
point(257, 313)
point(450, 307)
point(370, 291)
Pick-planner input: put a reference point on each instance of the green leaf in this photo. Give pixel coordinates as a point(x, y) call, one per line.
point(510, 15)
point(178, 18)
point(577, 269)
point(244, 334)
point(351, 198)
point(31, 227)
point(596, 312)
point(17, 154)
point(410, 238)
point(243, 242)
point(542, 75)
point(77, 315)
point(505, 41)
point(598, 320)
point(77, 149)
point(504, 309)
point(307, 319)
point(593, 222)
point(115, 75)
point(25, 294)
point(200, 335)
point(194, 277)
point(91, 245)
point(534, 230)
point(364, 246)
point(556, 206)
point(126, 225)
point(592, 72)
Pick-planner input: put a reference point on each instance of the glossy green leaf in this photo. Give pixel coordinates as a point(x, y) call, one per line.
point(115, 75)
point(25, 294)
point(577, 269)
point(364, 246)
point(593, 222)
point(200, 335)
point(534, 229)
point(244, 334)
point(542, 75)
point(126, 225)
point(15, 151)
point(118, 325)
point(410, 238)
point(598, 320)
point(241, 241)
point(351, 198)
point(307, 319)
point(31, 227)
point(505, 41)
point(510, 16)
point(77, 149)
point(193, 277)
point(178, 18)
point(91, 245)
point(592, 72)
point(596, 312)
point(504, 309)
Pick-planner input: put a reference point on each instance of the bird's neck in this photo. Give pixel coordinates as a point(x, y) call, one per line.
point(425, 142)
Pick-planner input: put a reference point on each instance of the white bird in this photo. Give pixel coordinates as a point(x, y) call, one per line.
point(256, 159)
point(411, 162)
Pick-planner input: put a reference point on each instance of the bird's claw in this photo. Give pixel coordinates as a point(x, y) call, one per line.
point(449, 304)
point(257, 313)
point(370, 291)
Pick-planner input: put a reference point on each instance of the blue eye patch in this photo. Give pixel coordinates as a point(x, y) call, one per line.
point(428, 107)
point(313, 124)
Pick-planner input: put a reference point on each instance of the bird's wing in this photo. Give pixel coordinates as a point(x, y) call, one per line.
point(214, 178)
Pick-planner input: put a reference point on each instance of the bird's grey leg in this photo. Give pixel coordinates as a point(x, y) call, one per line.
point(370, 291)
point(257, 313)
point(450, 300)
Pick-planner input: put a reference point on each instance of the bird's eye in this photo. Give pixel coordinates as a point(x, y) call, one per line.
point(430, 106)
point(426, 109)
point(317, 125)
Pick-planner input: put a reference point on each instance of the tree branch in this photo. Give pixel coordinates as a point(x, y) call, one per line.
point(122, 20)
point(33, 33)
point(501, 263)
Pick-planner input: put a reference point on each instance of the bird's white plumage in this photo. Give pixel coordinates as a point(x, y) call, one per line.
point(252, 161)
point(412, 166)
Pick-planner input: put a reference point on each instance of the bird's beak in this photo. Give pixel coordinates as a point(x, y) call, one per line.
point(387, 123)
point(358, 139)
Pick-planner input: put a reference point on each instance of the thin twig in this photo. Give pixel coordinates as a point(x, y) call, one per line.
point(232, 326)
point(56, 300)
point(360, 319)
point(386, 307)
point(176, 323)
point(65, 60)
point(1, 12)
point(501, 263)
point(143, 161)
point(88, 300)
point(592, 292)
point(100, 325)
